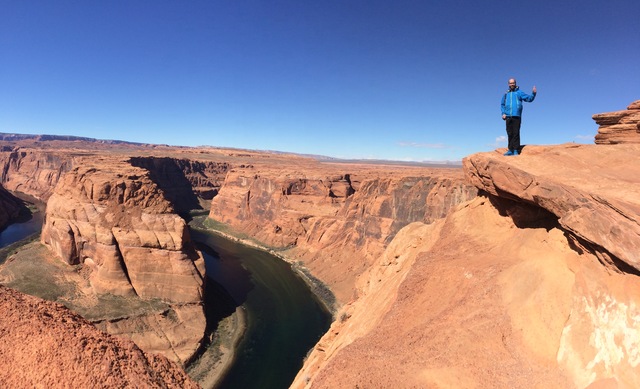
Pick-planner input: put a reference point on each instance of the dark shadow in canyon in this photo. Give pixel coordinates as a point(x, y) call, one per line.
point(24, 226)
point(524, 215)
point(170, 177)
point(607, 259)
point(218, 302)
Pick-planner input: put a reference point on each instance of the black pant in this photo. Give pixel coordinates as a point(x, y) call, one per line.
point(513, 132)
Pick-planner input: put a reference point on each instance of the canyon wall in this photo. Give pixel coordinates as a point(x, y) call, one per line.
point(33, 172)
point(184, 181)
point(117, 218)
point(10, 207)
point(105, 212)
point(111, 217)
point(335, 219)
point(532, 284)
point(511, 272)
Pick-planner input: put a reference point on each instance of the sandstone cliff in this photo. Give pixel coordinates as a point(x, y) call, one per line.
point(619, 126)
point(534, 284)
point(43, 344)
point(110, 214)
point(184, 181)
point(335, 219)
point(514, 272)
point(114, 219)
point(33, 172)
point(10, 207)
point(110, 217)
point(601, 214)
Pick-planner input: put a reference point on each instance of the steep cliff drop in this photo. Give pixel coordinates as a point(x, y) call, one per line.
point(10, 207)
point(513, 272)
point(113, 225)
point(533, 284)
point(334, 220)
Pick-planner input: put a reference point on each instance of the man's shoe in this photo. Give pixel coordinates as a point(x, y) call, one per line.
point(515, 152)
point(509, 153)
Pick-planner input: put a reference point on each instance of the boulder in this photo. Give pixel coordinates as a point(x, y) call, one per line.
point(619, 126)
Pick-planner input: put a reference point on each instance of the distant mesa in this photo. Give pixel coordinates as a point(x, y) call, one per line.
point(619, 126)
point(67, 138)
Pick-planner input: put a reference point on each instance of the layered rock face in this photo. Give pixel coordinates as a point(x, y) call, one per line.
point(532, 284)
point(119, 225)
point(336, 219)
point(113, 218)
point(183, 181)
point(619, 126)
point(111, 215)
point(46, 345)
point(174, 333)
point(603, 215)
point(514, 272)
point(33, 172)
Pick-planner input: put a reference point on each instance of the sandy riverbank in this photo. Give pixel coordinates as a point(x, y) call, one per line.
point(217, 359)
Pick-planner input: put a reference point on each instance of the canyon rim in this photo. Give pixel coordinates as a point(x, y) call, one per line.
point(518, 272)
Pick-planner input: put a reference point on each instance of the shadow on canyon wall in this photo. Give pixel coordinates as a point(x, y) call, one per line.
point(171, 178)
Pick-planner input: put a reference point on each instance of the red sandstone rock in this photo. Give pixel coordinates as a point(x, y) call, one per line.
point(526, 287)
point(174, 333)
point(115, 214)
point(34, 173)
point(43, 344)
point(501, 293)
point(619, 126)
point(592, 190)
point(336, 218)
point(112, 217)
point(474, 301)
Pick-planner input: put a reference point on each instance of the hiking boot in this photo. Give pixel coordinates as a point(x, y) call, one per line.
point(515, 152)
point(509, 153)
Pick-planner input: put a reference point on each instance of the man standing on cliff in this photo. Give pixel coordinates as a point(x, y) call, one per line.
point(512, 112)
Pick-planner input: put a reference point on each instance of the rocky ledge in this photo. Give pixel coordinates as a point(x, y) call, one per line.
point(592, 191)
point(534, 284)
point(619, 126)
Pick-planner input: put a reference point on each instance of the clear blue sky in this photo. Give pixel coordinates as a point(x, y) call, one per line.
point(402, 80)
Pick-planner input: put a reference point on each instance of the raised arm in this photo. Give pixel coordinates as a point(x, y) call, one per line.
point(528, 98)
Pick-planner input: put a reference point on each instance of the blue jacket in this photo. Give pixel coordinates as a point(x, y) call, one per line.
point(512, 102)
